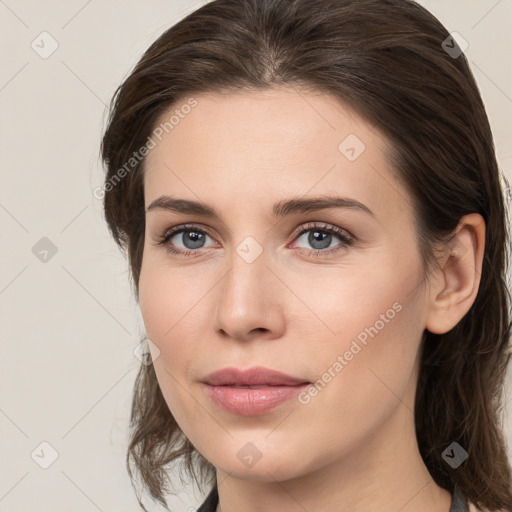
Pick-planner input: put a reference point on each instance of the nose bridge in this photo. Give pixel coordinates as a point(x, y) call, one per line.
point(248, 297)
point(245, 283)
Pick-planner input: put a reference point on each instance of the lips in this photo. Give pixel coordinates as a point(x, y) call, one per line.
point(251, 392)
point(254, 378)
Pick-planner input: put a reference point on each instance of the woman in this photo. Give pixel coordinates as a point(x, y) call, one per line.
point(309, 197)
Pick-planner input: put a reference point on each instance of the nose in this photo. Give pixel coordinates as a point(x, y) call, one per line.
point(250, 301)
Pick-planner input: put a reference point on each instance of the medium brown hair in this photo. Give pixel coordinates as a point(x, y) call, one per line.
point(387, 60)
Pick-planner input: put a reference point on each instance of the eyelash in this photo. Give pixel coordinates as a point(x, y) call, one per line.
point(346, 239)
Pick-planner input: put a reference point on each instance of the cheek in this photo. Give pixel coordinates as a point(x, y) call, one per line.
point(169, 302)
point(371, 327)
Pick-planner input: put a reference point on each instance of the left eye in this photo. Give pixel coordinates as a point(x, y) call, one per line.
point(320, 239)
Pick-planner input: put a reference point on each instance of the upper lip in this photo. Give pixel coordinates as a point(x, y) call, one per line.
point(254, 376)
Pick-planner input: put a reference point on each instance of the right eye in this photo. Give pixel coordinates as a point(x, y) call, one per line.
point(190, 236)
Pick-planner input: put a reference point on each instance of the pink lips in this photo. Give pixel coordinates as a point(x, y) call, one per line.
point(253, 391)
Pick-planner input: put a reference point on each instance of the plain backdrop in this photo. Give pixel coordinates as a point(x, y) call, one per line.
point(69, 323)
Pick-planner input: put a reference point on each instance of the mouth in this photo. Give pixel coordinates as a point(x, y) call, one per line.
point(255, 387)
point(254, 377)
point(251, 392)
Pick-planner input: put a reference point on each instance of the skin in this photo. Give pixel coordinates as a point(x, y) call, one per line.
point(352, 447)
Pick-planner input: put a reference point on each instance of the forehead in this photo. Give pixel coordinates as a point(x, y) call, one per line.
point(281, 117)
point(283, 142)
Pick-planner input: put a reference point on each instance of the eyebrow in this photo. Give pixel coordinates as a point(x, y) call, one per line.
point(280, 209)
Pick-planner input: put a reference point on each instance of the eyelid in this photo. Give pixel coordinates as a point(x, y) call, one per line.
point(323, 226)
point(298, 231)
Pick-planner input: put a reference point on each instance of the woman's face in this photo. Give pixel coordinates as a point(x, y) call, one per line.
point(286, 292)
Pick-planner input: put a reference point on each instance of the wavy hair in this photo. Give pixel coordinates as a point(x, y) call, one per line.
point(389, 61)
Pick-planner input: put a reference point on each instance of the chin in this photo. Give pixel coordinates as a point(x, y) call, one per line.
point(264, 464)
point(260, 472)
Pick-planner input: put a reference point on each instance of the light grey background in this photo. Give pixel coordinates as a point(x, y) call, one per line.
point(69, 325)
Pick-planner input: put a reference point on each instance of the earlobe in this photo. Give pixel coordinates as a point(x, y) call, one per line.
point(454, 288)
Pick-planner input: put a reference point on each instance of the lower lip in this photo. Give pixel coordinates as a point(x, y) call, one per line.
point(250, 402)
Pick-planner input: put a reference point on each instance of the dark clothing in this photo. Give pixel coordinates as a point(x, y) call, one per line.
point(459, 503)
point(211, 501)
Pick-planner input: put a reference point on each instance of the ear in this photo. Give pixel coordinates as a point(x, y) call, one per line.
point(453, 288)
